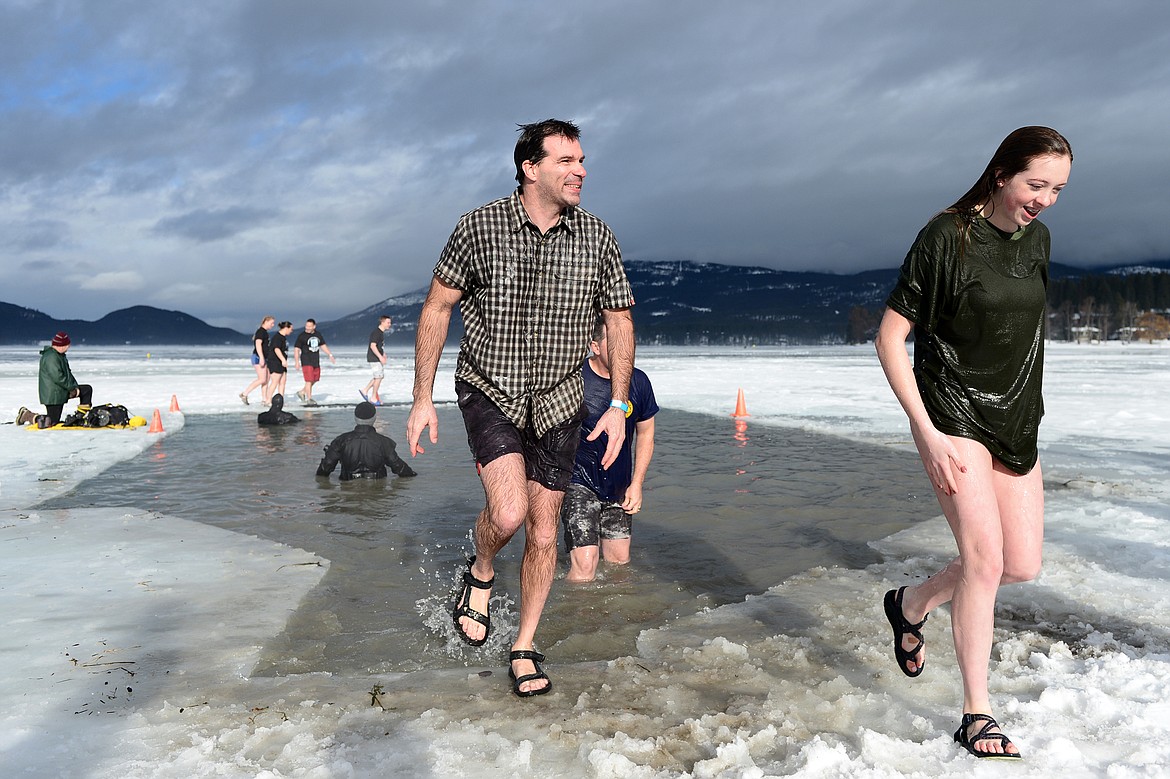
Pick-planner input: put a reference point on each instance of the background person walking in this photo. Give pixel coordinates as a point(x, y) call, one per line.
point(277, 359)
point(260, 360)
point(376, 359)
point(307, 357)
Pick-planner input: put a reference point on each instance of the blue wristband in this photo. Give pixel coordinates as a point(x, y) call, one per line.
point(626, 408)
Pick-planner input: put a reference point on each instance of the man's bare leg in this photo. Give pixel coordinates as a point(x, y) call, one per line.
point(536, 572)
point(504, 483)
point(615, 550)
point(582, 564)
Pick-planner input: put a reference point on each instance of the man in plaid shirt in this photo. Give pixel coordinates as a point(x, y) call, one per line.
point(530, 273)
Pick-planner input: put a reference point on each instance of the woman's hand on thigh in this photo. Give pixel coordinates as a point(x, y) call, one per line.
point(940, 458)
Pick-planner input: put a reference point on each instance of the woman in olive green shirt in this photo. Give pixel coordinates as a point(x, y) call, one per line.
point(972, 289)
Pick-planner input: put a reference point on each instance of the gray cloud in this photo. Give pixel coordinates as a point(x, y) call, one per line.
point(312, 158)
point(203, 225)
point(36, 234)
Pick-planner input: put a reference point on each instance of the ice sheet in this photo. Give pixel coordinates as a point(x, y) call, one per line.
point(1081, 668)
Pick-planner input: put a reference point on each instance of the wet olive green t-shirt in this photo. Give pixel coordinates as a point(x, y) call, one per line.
point(978, 314)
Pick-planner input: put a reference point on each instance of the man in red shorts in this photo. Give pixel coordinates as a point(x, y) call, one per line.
point(307, 357)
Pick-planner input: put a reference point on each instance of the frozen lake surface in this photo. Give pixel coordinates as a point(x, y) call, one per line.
point(144, 638)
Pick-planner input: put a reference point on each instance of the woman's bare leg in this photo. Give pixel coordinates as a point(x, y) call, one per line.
point(996, 516)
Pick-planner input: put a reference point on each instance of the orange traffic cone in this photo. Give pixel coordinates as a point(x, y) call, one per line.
point(175, 404)
point(156, 423)
point(740, 406)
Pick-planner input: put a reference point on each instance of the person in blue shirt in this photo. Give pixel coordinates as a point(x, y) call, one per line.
point(600, 503)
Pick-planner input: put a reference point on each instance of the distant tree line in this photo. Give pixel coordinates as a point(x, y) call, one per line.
point(1106, 306)
point(1134, 306)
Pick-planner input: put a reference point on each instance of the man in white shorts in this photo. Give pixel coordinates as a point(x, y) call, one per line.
point(376, 359)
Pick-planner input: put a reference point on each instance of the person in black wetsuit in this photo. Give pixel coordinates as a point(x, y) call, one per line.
point(276, 415)
point(363, 452)
point(972, 289)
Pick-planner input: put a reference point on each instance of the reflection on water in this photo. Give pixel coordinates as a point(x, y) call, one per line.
point(741, 437)
point(724, 516)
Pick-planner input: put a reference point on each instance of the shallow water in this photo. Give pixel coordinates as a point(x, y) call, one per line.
point(729, 512)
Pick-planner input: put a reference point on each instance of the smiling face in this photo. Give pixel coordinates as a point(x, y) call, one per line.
point(555, 181)
point(1018, 200)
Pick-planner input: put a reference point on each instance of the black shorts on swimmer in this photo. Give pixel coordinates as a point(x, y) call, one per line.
point(588, 519)
point(548, 459)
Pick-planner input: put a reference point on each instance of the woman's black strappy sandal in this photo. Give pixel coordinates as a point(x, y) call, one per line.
point(965, 740)
point(893, 604)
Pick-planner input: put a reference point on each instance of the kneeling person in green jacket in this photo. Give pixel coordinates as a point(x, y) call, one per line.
point(57, 385)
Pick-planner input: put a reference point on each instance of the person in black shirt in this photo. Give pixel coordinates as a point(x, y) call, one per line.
point(277, 358)
point(260, 360)
point(363, 452)
point(376, 358)
point(972, 290)
point(307, 357)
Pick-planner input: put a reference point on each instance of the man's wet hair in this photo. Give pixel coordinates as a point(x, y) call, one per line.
point(530, 145)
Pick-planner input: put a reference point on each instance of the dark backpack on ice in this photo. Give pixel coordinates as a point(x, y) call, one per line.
point(107, 415)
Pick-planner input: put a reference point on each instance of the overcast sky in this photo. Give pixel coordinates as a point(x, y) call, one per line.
point(231, 159)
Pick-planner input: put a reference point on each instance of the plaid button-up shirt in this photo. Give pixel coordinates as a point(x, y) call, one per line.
point(529, 303)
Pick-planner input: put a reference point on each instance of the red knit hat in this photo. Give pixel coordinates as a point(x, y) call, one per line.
point(61, 339)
